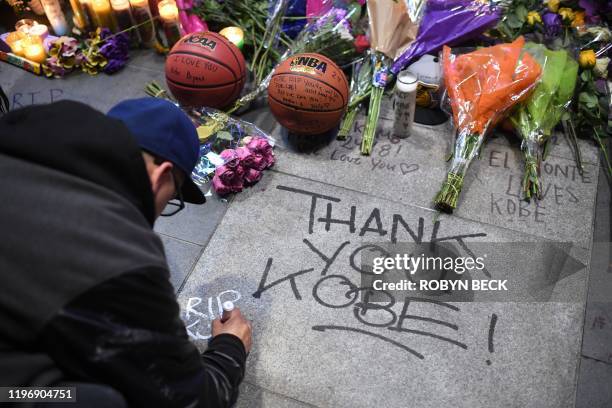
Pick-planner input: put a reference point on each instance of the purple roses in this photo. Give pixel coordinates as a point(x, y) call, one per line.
point(243, 166)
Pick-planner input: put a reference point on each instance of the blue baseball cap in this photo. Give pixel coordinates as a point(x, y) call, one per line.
point(163, 129)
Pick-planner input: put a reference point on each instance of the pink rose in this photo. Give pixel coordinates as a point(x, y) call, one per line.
point(222, 188)
point(260, 146)
point(219, 187)
point(230, 157)
point(250, 159)
point(252, 176)
point(228, 179)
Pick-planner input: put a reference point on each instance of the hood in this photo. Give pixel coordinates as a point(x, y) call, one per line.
point(74, 138)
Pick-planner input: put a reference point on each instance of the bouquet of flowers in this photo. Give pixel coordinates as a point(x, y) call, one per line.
point(392, 29)
point(361, 86)
point(219, 132)
point(243, 166)
point(482, 85)
point(329, 35)
point(583, 26)
point(536, 118)
point(260, 21)
point(447, 22)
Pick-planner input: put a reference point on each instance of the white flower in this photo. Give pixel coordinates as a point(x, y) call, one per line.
point(600, 33)
point(601, 67)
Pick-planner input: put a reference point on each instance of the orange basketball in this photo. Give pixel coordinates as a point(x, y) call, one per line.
point(205, 69)
point(308, 94)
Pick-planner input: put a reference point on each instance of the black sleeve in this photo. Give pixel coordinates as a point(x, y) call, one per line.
point(127, 333)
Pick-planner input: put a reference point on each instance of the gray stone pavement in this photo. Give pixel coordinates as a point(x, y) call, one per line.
point(308, 353)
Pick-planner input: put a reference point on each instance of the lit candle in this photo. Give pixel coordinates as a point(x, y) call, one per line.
point(123, 16)
point(142, 14)
point(34, 50)
point(18, 48)
point(234, 34)
point(79, 17)
point(56, 16)
point(104, 14)
point(24, 25)
point(169, 15)
point(39, 30)
point(88, 14)
point(14, 40)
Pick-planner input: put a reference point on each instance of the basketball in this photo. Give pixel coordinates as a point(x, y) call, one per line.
point(205, 69)
point(308, 94)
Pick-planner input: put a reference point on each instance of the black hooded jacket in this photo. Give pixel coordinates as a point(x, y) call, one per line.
point(85, 294)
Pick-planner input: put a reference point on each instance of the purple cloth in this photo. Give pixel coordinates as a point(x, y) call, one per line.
point(447, 22)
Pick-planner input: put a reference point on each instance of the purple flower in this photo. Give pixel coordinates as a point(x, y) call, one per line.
point(334, 16)
point(115, 49)
point(552, 24)
point(593, 10)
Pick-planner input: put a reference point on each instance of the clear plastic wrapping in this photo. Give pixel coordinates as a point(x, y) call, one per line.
point(482, 86)
point(219, 131)
point(538, 115)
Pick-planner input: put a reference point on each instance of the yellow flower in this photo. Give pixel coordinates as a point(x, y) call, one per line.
point(533, 17)
point(553, 5)
point(578, 20)
point(587, 59)
point(566, 13)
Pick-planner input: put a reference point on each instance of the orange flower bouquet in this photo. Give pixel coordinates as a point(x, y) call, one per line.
point(482, 86)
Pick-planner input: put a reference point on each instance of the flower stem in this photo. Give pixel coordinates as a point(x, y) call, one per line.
point(367, 142)
point(603, 150)
point(347, 123)
point(465, 150)
point(447, 197)
point(531, 179)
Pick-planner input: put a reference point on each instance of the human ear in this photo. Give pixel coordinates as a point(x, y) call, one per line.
point(160, 175)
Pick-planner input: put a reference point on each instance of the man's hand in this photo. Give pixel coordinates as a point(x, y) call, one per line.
point(237, 325)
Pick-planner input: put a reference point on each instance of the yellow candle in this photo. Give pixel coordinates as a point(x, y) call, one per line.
point(168, 11)
point(35, 52)
point(103, 13)
point(17, 48)
point(14, 40)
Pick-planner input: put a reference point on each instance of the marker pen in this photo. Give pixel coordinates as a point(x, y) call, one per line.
point(227, 308)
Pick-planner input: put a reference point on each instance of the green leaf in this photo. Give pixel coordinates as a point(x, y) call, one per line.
point(587, 99)
point(585, 76)
point(513, 21)
point(521, 12)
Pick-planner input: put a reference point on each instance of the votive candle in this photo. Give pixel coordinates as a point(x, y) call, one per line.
point(123, 16)
point(39, 30)
point(34, 50)
point(56, 16)
point(169, 15)
point(24, 25)
point(15, 41)
point(79, 17)
point(103, 14)
point(89, 13)
point(143, 18)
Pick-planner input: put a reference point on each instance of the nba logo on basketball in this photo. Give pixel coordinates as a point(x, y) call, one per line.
point(203, 41)
point(308, 64)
